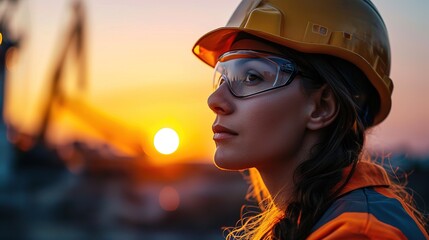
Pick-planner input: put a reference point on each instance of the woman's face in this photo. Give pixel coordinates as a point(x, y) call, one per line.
point(261, 130)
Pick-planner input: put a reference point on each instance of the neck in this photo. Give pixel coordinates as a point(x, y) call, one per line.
point(279, 183)
point(278, 178)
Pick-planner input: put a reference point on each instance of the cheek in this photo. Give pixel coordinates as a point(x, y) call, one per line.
point(277, 132)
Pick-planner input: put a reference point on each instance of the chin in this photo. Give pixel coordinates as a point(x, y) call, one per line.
point(230, 164)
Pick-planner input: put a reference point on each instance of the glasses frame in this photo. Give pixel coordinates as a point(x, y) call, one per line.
point(265, 55)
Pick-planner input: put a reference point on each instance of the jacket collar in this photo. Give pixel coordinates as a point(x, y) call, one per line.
point(366, 174)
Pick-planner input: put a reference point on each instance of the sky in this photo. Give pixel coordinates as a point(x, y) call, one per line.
point(143, 76)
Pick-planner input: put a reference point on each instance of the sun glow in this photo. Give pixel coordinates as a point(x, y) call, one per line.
point(166, 141)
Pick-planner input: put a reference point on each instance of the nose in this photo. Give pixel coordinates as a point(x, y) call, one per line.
point(220, 101)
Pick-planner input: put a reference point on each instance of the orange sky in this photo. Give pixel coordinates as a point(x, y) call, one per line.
point(142, 72)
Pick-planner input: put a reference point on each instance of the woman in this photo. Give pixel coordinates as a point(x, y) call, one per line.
point(297, 84)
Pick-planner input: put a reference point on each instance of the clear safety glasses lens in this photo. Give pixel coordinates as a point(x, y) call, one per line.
point(248, 72)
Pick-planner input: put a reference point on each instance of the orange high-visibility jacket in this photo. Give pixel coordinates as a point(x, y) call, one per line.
point(368, 209)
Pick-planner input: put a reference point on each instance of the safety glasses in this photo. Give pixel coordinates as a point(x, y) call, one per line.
point(248, 72)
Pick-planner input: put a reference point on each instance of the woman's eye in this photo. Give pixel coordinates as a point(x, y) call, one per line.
point(252, 79)
point(222, 79)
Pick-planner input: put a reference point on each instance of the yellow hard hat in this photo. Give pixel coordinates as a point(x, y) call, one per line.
point(349, 29)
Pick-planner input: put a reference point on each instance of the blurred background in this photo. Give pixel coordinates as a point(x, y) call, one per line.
point(105, 132)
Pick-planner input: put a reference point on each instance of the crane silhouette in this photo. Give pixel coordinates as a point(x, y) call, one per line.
point(74, 45)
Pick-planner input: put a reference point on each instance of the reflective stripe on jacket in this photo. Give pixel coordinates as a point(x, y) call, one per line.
point(368, 209)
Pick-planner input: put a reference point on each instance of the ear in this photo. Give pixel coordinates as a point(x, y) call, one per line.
point(324, 108)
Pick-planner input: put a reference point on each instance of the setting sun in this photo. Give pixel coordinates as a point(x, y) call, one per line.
point(166, 141)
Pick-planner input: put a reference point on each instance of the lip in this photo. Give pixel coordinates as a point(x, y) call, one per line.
point(222, 133)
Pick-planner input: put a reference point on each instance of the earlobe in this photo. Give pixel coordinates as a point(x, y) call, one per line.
point(324, 109)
